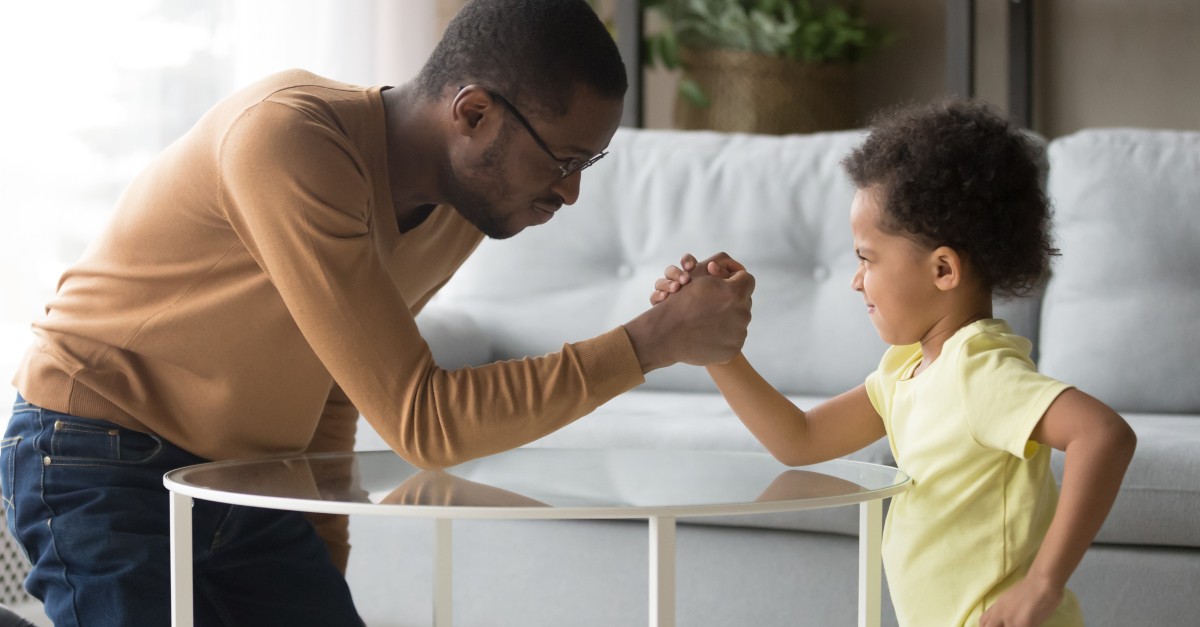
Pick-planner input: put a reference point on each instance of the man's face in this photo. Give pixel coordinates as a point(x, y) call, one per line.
point(508, 182)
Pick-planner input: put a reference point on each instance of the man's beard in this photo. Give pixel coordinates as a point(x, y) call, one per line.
point(472, 205)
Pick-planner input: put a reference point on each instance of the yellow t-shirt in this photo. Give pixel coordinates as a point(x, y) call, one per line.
point(982, 495)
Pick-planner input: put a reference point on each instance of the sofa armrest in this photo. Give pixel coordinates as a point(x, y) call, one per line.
point(455, 338)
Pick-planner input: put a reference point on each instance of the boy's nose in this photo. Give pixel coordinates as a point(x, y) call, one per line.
point(856, 280)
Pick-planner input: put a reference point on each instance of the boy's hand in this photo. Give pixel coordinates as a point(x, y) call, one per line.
point(674, 278)
point(705, 325)
point(1027, 604)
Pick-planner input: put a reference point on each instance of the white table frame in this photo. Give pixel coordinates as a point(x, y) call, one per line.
point(662, 527)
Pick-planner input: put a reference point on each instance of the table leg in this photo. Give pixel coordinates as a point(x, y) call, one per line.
point(870, 563)
point(181, 560)
point(443, 581)
point(662, 571)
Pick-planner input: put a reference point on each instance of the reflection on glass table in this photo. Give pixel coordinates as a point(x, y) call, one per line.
point(535, 483)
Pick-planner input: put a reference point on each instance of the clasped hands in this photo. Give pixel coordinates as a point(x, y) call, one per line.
point(702, 325)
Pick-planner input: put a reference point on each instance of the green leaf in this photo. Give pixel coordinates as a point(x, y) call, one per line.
point(821, 31)
point(693, 94)
point(669, 50)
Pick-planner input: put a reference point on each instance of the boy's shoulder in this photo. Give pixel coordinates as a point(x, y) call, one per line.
point(981, 346)
point(988, 341)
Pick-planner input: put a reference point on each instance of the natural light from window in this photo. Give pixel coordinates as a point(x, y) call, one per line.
point(93, 90)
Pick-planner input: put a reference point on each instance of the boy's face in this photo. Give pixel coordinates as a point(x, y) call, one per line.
point(895, 274)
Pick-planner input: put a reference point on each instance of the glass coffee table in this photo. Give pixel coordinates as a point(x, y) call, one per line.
point(658, 485)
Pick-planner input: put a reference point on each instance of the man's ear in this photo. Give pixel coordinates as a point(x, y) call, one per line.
point(947, 267)
point(470, 109)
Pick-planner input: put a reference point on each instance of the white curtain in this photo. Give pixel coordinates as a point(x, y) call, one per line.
point(92, 90)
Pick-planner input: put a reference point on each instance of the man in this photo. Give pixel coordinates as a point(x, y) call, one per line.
point(257, 289)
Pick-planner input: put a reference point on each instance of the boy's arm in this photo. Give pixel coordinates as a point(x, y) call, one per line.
point(837, 427)
point(1099, 445)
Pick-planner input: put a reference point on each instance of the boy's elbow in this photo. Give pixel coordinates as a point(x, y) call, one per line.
point(1128, 438)
point(793, 458)
point(1120, 437)
point(789, 460)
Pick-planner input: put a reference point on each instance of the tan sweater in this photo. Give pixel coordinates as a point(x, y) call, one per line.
point(253, 293)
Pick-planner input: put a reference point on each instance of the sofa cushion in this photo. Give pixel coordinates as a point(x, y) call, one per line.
point(778, 204)
point(1120, 316)
point(702, 421)
point(694, 421)
point(1159, 502)
point(1158, 505)
point(454, 338)
point(644, 419)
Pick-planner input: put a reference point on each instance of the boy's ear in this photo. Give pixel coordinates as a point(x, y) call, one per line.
point(947, 267)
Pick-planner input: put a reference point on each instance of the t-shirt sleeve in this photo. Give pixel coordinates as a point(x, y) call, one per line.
point(298, 195)
point(1003, 393)
point(881, 384)
point(874, 387)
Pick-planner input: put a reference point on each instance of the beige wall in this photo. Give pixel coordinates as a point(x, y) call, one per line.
point(1097, 62)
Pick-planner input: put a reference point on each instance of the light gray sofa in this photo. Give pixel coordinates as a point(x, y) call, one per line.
point(1120, 319)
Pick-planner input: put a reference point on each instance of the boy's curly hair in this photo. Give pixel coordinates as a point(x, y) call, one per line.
point(954, 173)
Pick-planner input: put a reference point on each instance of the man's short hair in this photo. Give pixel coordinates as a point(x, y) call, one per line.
point(531, 51)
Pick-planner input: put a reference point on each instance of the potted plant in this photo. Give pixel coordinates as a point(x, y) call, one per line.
point(761, 66)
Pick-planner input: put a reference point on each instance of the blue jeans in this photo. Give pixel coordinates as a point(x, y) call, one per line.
point(86, 502)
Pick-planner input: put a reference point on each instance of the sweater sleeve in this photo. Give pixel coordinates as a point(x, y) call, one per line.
point(298, 194)
point(335, 433)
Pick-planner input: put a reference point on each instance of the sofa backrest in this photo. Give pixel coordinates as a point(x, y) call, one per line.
point(781, 205)
point(1121, 315)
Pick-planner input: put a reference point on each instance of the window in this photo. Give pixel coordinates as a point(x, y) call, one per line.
point(93, 90)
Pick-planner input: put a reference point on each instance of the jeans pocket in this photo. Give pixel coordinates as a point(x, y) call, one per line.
point(8, 456)
point(79, 442)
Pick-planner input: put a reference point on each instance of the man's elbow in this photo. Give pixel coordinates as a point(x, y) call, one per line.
point(429, 457)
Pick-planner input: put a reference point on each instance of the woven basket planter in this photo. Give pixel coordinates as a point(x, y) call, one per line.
point(755, 93)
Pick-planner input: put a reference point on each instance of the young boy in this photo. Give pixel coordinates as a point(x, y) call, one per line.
point(949, 212)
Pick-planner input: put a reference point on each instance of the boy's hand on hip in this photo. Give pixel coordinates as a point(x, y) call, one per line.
point(1027, 604)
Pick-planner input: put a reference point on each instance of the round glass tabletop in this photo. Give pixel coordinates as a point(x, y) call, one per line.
point(539, 483)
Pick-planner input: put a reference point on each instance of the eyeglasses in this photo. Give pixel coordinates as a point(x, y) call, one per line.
point(566, 166)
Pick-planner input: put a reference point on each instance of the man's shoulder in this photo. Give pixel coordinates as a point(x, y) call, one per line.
point(301, 87)
point(303, 94)
point(297, 110)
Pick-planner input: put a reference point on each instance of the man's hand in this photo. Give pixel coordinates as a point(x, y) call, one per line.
point(1027, 604)
point(705, 324)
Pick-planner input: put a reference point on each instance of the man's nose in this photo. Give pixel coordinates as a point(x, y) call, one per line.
point(567, 188)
